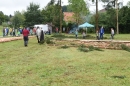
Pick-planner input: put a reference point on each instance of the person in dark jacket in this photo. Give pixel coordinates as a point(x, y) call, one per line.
point(25, 36)
point(101, 32)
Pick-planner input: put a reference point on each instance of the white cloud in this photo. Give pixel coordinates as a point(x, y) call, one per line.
point(10, 6)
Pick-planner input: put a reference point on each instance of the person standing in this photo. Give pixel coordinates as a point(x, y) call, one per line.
point(25, 36)
point(112, 33)
point(3, 32)
point(97, 35)
point(76, 33)
point(56, 29)
point(84, 35)
point(101, 32)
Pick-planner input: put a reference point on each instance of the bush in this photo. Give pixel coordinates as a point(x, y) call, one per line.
point(124, 47)
point(90, 48)
point(83, 48)
point(48, 40)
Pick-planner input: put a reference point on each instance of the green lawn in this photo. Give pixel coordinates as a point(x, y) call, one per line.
point(51, 65)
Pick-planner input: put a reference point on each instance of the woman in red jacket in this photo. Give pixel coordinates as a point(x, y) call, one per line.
point(25, 36)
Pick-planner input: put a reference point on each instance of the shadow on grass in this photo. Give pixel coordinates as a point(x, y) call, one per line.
point(64, 47)
point(119, 77)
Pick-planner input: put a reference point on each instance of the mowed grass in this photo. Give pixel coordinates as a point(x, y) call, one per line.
point(50, 65)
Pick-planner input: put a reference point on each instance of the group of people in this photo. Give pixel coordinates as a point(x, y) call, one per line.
point(8, 31)
point(17, 32)
point(99, 33)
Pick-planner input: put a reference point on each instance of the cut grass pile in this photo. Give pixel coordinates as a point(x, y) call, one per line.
point(49, 65)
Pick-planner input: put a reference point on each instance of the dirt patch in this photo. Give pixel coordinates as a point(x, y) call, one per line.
point(12, 39)
point(103, 44)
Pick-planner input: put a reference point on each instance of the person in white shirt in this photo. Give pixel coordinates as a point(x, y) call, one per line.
point(112, 33)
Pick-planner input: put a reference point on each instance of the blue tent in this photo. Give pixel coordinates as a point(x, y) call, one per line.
point(86, 25)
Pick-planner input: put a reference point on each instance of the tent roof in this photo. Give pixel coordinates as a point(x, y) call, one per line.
point(86, 25)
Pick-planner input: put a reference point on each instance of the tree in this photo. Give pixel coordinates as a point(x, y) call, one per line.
point(124, 19)
point(33, 15)
point(96, 16)
point(17, 20)
point(1, 17)
point(51, 13)
point(128, 4)
point(79, 8)
point(6, 18)
point(114, 3)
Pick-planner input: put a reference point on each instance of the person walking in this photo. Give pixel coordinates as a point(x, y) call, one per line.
point(112, 33)
point(25, 36)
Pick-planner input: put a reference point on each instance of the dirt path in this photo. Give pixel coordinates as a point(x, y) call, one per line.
point(8, 39)
point(105, 44)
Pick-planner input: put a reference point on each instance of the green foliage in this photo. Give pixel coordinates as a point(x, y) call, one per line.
point(128, 4)
point(83, 48)
point(66, 8)
point(91, 48)
point(124, 19)
point(79, 8)
point(33, 15)
point(1, 17)
point(51, 13)
point(17, 20)
point(49, 40)
point(108, 19)
point(124, 47)
point(6, 18)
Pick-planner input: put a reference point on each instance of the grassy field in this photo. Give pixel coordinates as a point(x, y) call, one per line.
point(52, 65)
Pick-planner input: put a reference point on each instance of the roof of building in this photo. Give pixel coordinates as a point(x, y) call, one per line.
point(68, 16)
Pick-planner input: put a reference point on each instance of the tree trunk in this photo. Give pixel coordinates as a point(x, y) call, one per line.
point(117, 27)
point(96, 15)
point(60, 18)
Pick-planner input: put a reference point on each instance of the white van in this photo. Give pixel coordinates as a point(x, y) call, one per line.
point(44, 27)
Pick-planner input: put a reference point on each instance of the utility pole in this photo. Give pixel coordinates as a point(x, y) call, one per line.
point(60, 17)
